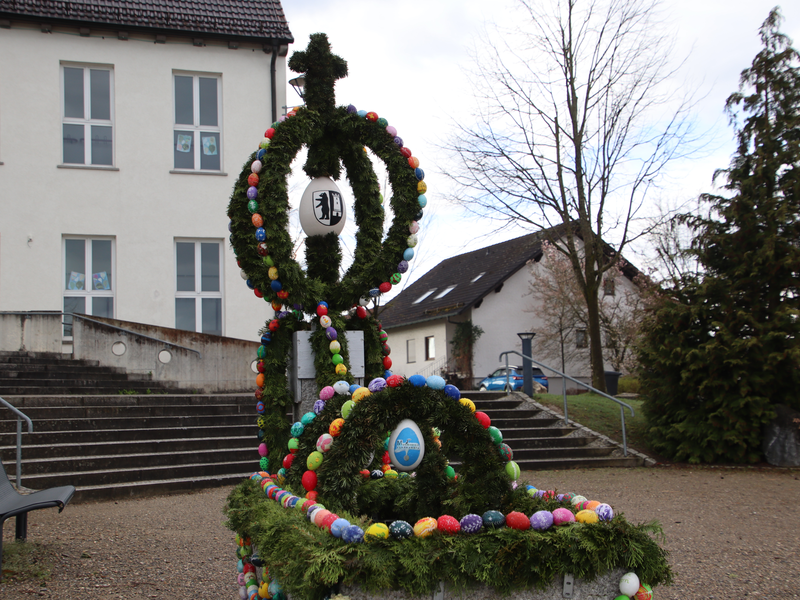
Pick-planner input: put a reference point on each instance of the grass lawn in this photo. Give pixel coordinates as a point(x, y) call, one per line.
point(24, 561)
point(602, 415)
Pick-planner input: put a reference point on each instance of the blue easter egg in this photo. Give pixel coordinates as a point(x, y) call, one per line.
point(338, 527)
point(353, 534)
point(297, 429)
point(417, 380)
point(435, 382)
point(266, 338)
point(249, 283)
point(452, 391)
point(362, 113)
point(260, 408)
point(307, 418)
point(354, 387)
point(276, 286)
point(261, 234)
point(419, 174)
point(408, 254)
point(386, 374)
point(260, 154)
point(423, 200)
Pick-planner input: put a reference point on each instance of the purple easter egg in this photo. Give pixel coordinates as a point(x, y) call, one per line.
point(604, 512)
point(399, 141)
point(318, 406)
point(471, 524)
point(330, 333)
point(542, 520)
point(352, 109)
point(402, 266)
point(377, 384)
point(252, 193)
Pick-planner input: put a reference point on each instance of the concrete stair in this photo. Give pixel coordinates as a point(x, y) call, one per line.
point(92, 432)
point(540, 440)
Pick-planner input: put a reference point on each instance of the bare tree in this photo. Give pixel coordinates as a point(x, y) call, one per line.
point(560, 307)
point(575, 124)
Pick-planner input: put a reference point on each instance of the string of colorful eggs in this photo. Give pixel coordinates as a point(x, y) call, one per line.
point(254, 584)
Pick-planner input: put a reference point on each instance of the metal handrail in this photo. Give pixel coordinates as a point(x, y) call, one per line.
point(85, 318)
point(20, 416)
point(622, 405)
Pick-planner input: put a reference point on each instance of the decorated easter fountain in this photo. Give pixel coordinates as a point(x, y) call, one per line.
point(358, 496)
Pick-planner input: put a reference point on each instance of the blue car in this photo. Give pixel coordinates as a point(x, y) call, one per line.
point(497, 380)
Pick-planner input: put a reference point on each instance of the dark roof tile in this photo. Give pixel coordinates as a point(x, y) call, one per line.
point(260, 19)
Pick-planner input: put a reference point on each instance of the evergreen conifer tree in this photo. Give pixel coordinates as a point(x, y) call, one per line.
point(723, 350)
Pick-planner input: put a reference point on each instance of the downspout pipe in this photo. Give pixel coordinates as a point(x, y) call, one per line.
point(273, 80)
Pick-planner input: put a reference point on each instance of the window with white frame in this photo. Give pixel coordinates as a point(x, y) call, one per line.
point(88, 115)
point(197, 132)
point(198, 279)
point(430, 348)
point(411, 351)
point(88, 278)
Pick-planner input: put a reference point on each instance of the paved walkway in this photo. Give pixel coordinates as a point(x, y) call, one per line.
point(732, 533)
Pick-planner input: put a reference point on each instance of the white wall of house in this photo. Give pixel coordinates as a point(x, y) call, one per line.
point(138, 203)
point(408, 348)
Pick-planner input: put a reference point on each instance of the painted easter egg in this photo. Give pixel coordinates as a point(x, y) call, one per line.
point(376, 385)
point(297, 429)
point(542, 520)
point(513, 470)
point(495, 434)
point(505, 451)
point(341, 387)
point(294, 444)
point(483, 419)
point(425, 527)
point(394, 380)
point(406, 446)
point(452, 391)
point(629, 584)
point(563, 516)
point(347, 408)
point(314, 460)
point(353, 534)
point(435, 382)
point(338, 527)
point(645, 593)
point(336, 427)
point(578, 499)
point(324, 442)
point(360, 394)
point(586, 516)
point(468, 403)
point(493, 519)
point(517, 520)
point(471, 523)
point(604, 512)
point(328, 521)
point(448, 524)
point(390, 473)
point(401, 530)
point(377, 531)
point(309, 480)
point(319, 516)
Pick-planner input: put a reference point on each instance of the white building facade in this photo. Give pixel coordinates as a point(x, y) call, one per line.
point(120, 144)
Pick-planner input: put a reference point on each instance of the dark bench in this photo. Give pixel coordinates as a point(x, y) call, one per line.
point(14, 504)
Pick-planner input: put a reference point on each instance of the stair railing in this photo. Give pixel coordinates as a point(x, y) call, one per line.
point(20, 416)
point(622, 405)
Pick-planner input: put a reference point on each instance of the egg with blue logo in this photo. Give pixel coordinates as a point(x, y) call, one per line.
point(406, 446)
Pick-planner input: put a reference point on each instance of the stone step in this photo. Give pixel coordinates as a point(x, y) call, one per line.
point(574, 463)
point(511, 414)
point(526, 454)
point(43, 413)
point(138, 474)
point(116, 447)
point(26, 401)
point(43, 358)
point(537, 423)
point(547, 442)
point(484, 405)
point(82, 436)
point(133, 422)
point(13, 369)
point(113, 463)
point(87, 387)
point(523, 430)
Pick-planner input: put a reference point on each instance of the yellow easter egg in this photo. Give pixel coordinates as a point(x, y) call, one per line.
point(586, 516)
point(468, 403)
point(425, 527)
point(377, 531)
point(360, 394)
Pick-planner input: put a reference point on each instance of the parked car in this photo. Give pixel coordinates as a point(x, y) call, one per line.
point(497, 380)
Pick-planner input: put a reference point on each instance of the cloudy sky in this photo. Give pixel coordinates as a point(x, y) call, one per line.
point(409, 61)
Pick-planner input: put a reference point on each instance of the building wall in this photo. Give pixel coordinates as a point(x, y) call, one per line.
point(140, 203)
point(400, 338)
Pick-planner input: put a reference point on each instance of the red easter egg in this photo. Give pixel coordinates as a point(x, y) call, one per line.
point(313, 497)
point(364, 473)
point(517, 520)
point(448, 524)
point(287, 461)
point(483, 419)
point(269, 133)
point(385, 287)
point(262, 246)
point(361, 312)
point(405, 151)
point(386, 458)
point(261, 366)
point(322, 310)
point(258, 393)
point(372, 116)
point(274, 325)
point(258, 293)
point(387, 362)
point(283, 294)
point(394, 380)
point(276, 305)
point(309, 480)
point(328, 520)
point(252, 179)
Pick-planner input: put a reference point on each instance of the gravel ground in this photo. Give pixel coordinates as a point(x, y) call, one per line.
point(732, 533)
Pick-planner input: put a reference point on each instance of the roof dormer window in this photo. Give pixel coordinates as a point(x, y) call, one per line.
point(425, 295)
point(445, 291)
point(478, 276)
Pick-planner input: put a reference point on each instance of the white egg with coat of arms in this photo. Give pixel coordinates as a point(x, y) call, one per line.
point(322, 208)
point(406, 446)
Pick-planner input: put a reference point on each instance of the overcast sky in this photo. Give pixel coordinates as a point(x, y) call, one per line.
point(408, 61)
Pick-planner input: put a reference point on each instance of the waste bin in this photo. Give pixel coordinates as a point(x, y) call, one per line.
point(612, 381)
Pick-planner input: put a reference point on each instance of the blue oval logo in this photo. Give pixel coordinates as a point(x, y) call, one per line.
point(406, 446)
